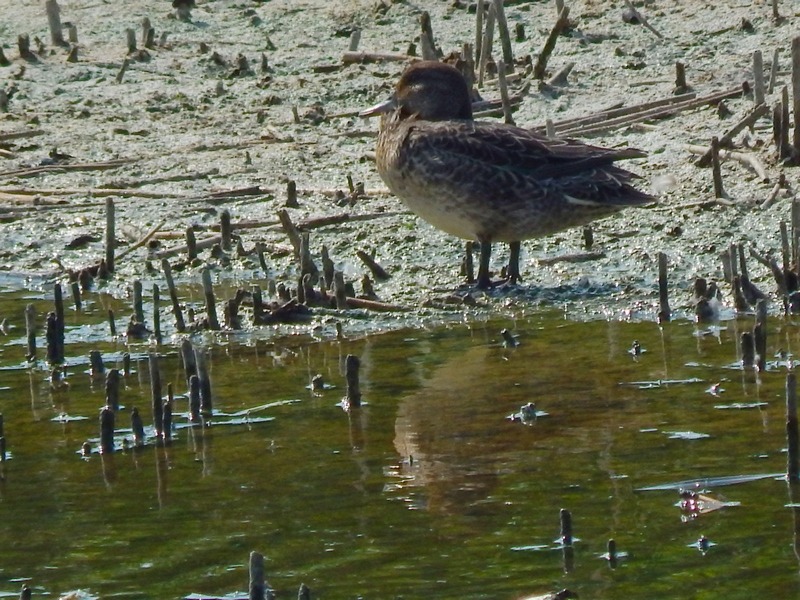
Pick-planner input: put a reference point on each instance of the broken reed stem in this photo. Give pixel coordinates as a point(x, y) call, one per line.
point(211, 306)
point(96, 366)
point(166, 410)
point(112, 389)
point(540, 67)
point(469, 263)
point(225, 230)
point(566, 527)
point(796, 92)
point(428, 46)
point(748, 120)
point(715, 168)
point(110, 234)
point(505, 37)
point(122, 70)
point(503, 84)
point(106, 430)
point(355, 40)
point(54, 22)
point(785, 149)
point(353, 397)
point(680, 78)
point(76, 295)
point(760, 334)
point(189, 362)
point(773, 71)
point(155, 392)
point(339, 290)
point(480, 9)
point(664, 312)
point(792, 439)
point(377, 271)
point(486, 44)
point(758, 78)
point(55, 329)
point(204, 381)
point(258, 586)
point(112, 326)
point(157, 312)
point(180, 325)
point(30, 331)
point(138, 302)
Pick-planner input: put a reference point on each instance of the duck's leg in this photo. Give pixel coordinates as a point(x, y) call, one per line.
point(484, 280)
point(513, 263)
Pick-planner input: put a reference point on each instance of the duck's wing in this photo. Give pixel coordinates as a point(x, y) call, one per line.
point(517, 158)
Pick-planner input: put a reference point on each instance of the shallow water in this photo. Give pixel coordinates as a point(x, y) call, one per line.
point(428, 489)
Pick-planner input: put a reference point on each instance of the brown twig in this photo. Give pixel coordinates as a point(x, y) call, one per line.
point(550, 43)
point(643, 20)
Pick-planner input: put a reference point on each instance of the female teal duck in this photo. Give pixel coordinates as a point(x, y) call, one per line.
point(486, 181)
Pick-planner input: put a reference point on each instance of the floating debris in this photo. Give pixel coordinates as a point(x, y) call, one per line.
point(694, 503)
point(703, 544)
point(711, 482)
point(740, 405)
point(636, 349)
point(716, 389)
point(686, 435)
point(659, 383)
point(527, 414)
point(65, 418)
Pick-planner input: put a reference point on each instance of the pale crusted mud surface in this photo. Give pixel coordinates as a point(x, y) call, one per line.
point(187, 123)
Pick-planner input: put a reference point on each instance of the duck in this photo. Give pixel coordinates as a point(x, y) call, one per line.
point(489, 181)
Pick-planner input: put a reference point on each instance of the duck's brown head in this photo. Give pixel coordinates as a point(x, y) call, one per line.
point(430, 91)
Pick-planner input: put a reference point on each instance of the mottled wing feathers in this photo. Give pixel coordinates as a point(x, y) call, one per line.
point(521, 162)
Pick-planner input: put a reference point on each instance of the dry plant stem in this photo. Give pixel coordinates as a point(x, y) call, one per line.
point(541, 61)
point(155, 393)
point(643, 20)
point(784, 149)
point(792, 433)
point(576, 257)
point(505, 37)
point(796, 92)
point(339, 290)
point(30, 332)
point(375, 305)
point(486, 44)
point(355, 39)
point(773, 72)
point(775, 14)
point(291, 231)
point(426, 42)
point(630, 116)
point(14, 135)
point(54, 22)
point(76, 295)
point(796, 235)
point(377, 271)
point(758, 78)
point(138, 308)
point(352, 365)
point(121, 74)
point(111, 240)
point(560, 77)
point(664, 312)
point(501, 76)
point(211, 305)
point(715, 168)
point(749, 120)
point(680, 78)
point(225, 230)
point(141, 242)
point(786, 257)
point(258, 587)
point(370, 57)
point(106, 430)
point(479, 12)
point(749, 160)
point(180, 324)
point(99, 166)
point(760, 334)
point(157, 312)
